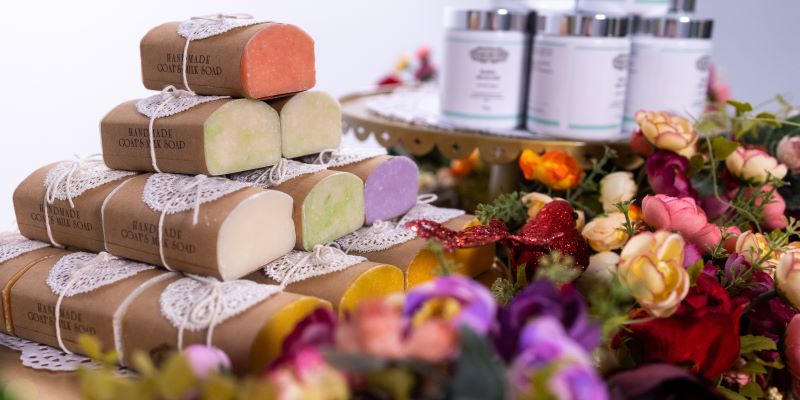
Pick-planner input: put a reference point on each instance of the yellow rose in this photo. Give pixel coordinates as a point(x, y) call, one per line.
point(754, 165)
point(787, 277)
point(605, 233)
point(668, 132)
point(616, 187)
point(651, 266)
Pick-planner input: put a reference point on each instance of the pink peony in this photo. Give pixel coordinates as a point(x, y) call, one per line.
point(681, 215)
point(792, 341)
point(788, 152)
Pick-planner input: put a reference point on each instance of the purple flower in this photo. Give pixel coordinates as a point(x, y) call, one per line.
point(206, 359)
point(542, 298)
point(660, 382)
point(570, 374)
point(713, 206)
point(476, 305)
point(317, 329)
point(666, 172)
point(691, 253)
point(768, 318)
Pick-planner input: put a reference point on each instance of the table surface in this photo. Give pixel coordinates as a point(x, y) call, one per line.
point(28, 383)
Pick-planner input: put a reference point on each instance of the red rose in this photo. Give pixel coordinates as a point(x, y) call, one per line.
point(703, 334)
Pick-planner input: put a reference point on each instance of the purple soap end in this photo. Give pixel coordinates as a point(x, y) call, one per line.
point(391, 189)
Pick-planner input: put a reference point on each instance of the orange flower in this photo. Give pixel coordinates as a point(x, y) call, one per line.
point(464, 167)
point(556, 169)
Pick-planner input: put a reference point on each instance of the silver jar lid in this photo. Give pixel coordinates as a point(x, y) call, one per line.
point(589, 25)
point(677, 27)
point(500, 19)
point(682, 6)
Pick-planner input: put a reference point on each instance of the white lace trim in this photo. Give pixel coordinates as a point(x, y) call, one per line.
point(206, 26)
point(301, 265)
point(13, 245)
point(333, 158)
point(171, 102)
point(100, 275)
point(172, 193)
point(192, 304)
point(275, 175)
point(88, 174)
point(42, 357)
point(385, 234)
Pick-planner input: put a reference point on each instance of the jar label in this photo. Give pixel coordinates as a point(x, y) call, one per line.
point(483, 78)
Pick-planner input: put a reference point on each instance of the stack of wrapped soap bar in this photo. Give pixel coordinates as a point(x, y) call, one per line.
point(223, 209)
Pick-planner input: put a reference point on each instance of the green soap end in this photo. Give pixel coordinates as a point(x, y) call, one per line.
point(310, 122)
point(333, 208)
point(241, 135)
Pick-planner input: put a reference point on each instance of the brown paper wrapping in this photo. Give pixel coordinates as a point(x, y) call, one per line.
point(179, 139)
point(345, 289)
point(420, 264)
point(12, 270)
point(80, 227)
point(162, 51)
point(250, 339)
point(131, 229)
point(364, 168)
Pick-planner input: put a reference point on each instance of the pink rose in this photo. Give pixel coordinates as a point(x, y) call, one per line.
point(792, 341)
point(205, 359)
point(788, 152)
point(681, 215)
point(773, 212)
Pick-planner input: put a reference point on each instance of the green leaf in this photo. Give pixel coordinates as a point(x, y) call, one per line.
point(723, 147)
point(91, 346)
point(479, 374)
point(770, 119)
point(176, 377)
point(753, 368)
point(751, 343)
point(730, 394)
point(695, 270)
point(695, 165)
point(396, 382)
point(740, 106)
point(507, 207)
point(752, 390)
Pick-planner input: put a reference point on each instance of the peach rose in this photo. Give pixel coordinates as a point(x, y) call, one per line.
point(668, 132)
point(754, 165)
point(651, 266)
point(681, 215)
point(787, 277)
point(605, 233)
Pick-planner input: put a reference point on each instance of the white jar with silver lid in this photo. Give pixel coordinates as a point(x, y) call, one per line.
point(483, 73)
point(670, 67)
point(540, 6)
point(578, 75)
point(622, 7)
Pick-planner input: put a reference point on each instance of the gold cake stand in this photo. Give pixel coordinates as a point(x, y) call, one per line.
point(499, 151)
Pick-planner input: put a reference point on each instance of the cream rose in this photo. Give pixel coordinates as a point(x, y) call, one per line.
point(616, 187)
point(606, 233)
point(754, 165)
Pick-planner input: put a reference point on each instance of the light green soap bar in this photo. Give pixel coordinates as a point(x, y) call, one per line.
point(242, 135)
point(310, 122)
point(327, 205)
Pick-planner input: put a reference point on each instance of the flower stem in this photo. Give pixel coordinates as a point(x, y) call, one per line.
point(762, 298)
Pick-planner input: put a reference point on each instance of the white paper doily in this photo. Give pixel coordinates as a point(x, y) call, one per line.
point(13, 245)
point(385, 234)
point(275, 175)
point(162, 190)
point(88, 175)
point(345, 156)
point(100, 275)
point(302, 265)
point(211, 25)
point(43, 357)
point(171, 102)
point(181, 301)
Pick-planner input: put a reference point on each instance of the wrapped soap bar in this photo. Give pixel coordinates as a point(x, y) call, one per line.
point(391, 243)
point(327, 204)
point(330, 274)
point(310, 123)
point(229, 55)
point(197, 224)
point(17, 255)
point(60, 203)
point(114, 299)
point(213, 137)
point(391, 183)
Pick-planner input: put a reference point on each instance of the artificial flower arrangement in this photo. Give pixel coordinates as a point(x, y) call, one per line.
point(679, 278)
